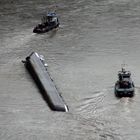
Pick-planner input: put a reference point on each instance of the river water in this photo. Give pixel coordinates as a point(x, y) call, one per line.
point(84, 56)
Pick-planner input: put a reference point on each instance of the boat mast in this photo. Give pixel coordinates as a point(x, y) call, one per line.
point(123, 65)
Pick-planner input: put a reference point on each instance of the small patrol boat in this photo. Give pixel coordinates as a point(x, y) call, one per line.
point(124, 87)
point(49, 22)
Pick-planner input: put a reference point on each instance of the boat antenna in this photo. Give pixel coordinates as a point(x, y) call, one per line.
point(52, 2)
point(123, 65)
point(55, 5)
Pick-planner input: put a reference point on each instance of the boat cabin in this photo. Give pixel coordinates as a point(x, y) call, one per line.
point(124, 79)
point(50, 17)
point(124, 75)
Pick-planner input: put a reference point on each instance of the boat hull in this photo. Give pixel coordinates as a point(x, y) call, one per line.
point(124, 92)
point(44, 29)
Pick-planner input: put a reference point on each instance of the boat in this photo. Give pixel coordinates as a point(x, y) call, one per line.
point(124, 87)
point(49, 22)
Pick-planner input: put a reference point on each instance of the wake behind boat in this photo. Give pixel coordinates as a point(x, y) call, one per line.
point(124, 87)
point(49, 22)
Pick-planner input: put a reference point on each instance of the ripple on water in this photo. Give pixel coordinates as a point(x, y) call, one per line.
point(109, 116)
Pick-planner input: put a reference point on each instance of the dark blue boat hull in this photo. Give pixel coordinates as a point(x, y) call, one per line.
point(124, 92)
point(44, 29)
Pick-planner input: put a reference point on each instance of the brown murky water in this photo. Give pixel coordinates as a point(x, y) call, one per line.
point(84, 55)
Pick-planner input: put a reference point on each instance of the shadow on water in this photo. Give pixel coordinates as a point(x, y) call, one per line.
point(53, 33)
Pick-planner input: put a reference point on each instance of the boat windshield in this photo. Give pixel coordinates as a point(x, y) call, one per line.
point(126, 76)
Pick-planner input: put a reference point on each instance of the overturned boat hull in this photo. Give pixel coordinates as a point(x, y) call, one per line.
point(36, 67)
